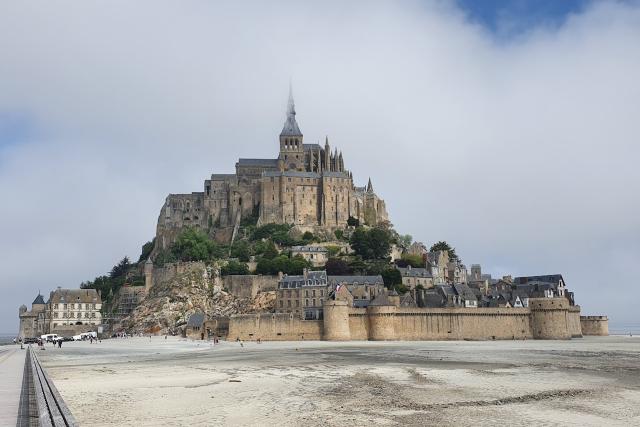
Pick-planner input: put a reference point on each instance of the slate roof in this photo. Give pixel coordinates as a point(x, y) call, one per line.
point(414, 272)
point(75, 295)
point(549, 278)
point(195, 320)
point(464, 291)
point(258, 162)
point(433, 299)
point(311, 147)
point(290, 127)
point(309, 249)
point(296, 174)
point(314, 278)
point(381, 300)
point(352, 280)
point(39, 300)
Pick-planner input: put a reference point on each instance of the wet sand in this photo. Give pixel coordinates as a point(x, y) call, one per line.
point(142, 381)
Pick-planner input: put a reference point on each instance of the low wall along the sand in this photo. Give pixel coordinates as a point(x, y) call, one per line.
point(549, 318)
point(594, 325)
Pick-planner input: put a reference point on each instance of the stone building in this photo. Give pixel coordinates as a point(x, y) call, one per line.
point(303, 295)
point(414, 276)
point(306, 185)
point(316, 255)
point(33, 322)
point(74, 307)
point(67, 312)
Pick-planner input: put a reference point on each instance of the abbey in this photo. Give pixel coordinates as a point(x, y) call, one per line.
point(307, 186)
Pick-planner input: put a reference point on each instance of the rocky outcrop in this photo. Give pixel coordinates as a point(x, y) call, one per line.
point(170, 303)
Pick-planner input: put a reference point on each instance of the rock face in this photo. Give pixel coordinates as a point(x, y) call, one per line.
point(170, 303)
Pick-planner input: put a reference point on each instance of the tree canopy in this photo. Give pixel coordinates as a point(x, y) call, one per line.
point(444, 246)
point(374, 243)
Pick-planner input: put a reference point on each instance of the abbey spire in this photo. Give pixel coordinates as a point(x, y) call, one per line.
point(290, 127)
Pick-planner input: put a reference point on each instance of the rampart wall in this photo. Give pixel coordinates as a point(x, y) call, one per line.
point(594, 325)
point(274, 327)
point(248, 286)
point(549, 318)
point(575, 329)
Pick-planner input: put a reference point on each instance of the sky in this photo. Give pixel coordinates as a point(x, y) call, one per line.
point(508, 129)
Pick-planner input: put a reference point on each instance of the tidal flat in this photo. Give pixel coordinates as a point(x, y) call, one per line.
point(157, 381)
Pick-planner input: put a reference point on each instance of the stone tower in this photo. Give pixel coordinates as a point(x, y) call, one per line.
point(336, 320)
point(291, 147)
point(148, 275)
point(549, 318)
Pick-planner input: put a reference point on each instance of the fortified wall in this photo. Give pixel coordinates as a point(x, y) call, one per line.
point(545, 318)
point(248, 286)
point(594, 325)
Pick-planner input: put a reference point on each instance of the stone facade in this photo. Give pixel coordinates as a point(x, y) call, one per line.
point(307, 185)
point(316, 255)
point(546, 318)
point(67, 312)
point(249, 285)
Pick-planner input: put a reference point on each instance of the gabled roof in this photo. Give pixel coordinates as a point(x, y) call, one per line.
point(381, 300)
point(258, 162)
point(352, 280)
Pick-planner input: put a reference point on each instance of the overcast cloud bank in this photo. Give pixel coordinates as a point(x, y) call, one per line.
point(522, 154)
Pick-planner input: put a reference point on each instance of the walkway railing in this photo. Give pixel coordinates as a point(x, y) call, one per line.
point(50, 407)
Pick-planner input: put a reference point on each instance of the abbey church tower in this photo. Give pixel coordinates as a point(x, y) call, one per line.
point(291, 147)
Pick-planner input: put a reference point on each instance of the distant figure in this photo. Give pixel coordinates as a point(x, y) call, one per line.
point(60, 343)
point(241, 344)
point(15, 341)
point(165, 337)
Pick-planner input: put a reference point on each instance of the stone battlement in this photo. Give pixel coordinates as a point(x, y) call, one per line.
point(548, 318)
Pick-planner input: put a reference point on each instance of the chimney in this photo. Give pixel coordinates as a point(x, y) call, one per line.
point(305, 273)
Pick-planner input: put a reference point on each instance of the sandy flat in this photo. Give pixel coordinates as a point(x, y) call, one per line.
point(142, 381)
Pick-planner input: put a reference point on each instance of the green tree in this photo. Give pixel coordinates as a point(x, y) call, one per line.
point(120, 269)
point(270, 250)
point(234, 268)
point(405, 240)
point(371, 244)
point(194, 245)
point(391, 277)
point(337, 267)
point(415, 261)
point(146, 250)
point(353, 222)
point(308, 236)
point(241, 250)
point(444, 246)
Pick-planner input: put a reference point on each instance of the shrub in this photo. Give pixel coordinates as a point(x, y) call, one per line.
point(234, 268)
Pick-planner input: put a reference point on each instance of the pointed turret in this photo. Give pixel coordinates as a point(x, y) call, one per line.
point(369, 186)
point(340, 162)
point(290, 127)
point(291, 145)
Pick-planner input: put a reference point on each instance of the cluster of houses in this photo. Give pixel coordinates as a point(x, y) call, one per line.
point(441, 282)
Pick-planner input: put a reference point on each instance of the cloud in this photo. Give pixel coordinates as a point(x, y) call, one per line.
point(522, 154)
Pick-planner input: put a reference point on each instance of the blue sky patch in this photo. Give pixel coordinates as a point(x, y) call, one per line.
point(509, 18)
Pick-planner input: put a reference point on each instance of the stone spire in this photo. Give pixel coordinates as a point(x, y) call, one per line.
point(290, 127)
point(340, 162)
point(369, 186)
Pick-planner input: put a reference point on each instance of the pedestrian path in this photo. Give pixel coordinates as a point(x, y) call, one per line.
point(11, 371)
